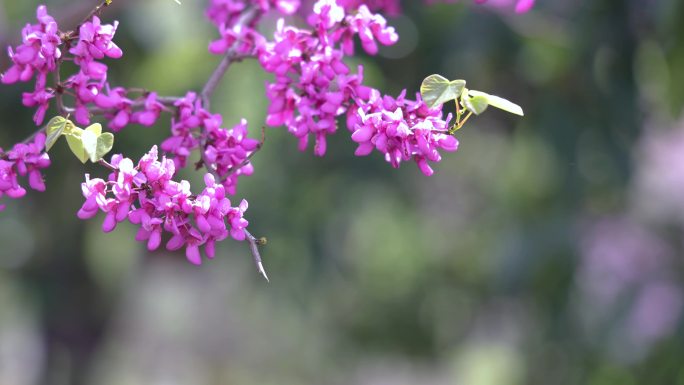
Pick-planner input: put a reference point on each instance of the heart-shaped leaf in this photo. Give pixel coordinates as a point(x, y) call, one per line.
point(76, 145)
point(498, 102)
point(95, 128)
point(89, 142)
point(437, 89)
point(475, 104)
point(54, 129)
point(104, 145)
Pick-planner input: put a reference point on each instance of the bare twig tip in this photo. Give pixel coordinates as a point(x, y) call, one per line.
point(263, 272)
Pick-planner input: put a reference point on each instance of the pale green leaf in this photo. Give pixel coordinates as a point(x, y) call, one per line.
point(437, 89)
point(475, 104)
point(53, 130)
point(104, 145)
point(76, 145)
point(95, 128)
point(89, 142)
point(498, 102)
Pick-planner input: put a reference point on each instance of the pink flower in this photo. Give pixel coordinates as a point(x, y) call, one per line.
point(147, 196)
point(401, 129)
point(24, 159)
point(37, 55)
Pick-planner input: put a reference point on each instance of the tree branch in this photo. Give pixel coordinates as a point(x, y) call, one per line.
point(245, 19)
point(248, 17)
point(95, 12)
point(254, 248)
point(59, 101)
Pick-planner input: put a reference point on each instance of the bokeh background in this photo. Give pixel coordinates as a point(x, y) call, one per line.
point(547, 250)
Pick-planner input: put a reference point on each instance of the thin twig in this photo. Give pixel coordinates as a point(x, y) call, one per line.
point(106, 164)
point(254, 247)
point(167, 101)
point(59, 100)
point(231, 55)
point(95, 12)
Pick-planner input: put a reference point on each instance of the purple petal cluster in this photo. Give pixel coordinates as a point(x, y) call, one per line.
point(40, 54)
point(190, 116)
point(226, 15)
point(227, 151)
point(224, 151)
point(228, 12)
point(94, 43)
point(37, 56)
point(23, 159)
point(313, 86)
point(90, 83)
point(146, 195)
point(401, 129)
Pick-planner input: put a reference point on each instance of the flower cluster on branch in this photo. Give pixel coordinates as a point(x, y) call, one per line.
point(311, 91)
point(22, 160)
point(147, 195)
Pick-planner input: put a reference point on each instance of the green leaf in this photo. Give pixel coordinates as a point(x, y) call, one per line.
point(95, 128)
point(54, 129)
point(76, 145)
point(104, 145)
point(475, 104)
point(437, 89)
point(89, 143)
point(498, 102)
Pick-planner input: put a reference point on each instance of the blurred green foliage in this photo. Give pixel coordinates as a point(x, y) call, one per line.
point(379, 276)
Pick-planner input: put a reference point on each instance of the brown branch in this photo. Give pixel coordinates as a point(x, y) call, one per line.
point(59, 89)
point(254, 248)
point(106, 164)
point(167, 101)
point(231, 55)
point(95, 12)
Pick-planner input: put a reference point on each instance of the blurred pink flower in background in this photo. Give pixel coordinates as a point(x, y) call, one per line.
point(659, 182)
point(626, 268)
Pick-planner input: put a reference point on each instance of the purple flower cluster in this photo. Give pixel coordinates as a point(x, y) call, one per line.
point(94, 43)
point(401, 129)
point(313, 85)
point(40, 54)
point(23, 159)
point(228, 12)
point(36, 55)
point(225, 152)
point(146, 195)
point(226, 15)
point(90, 83)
